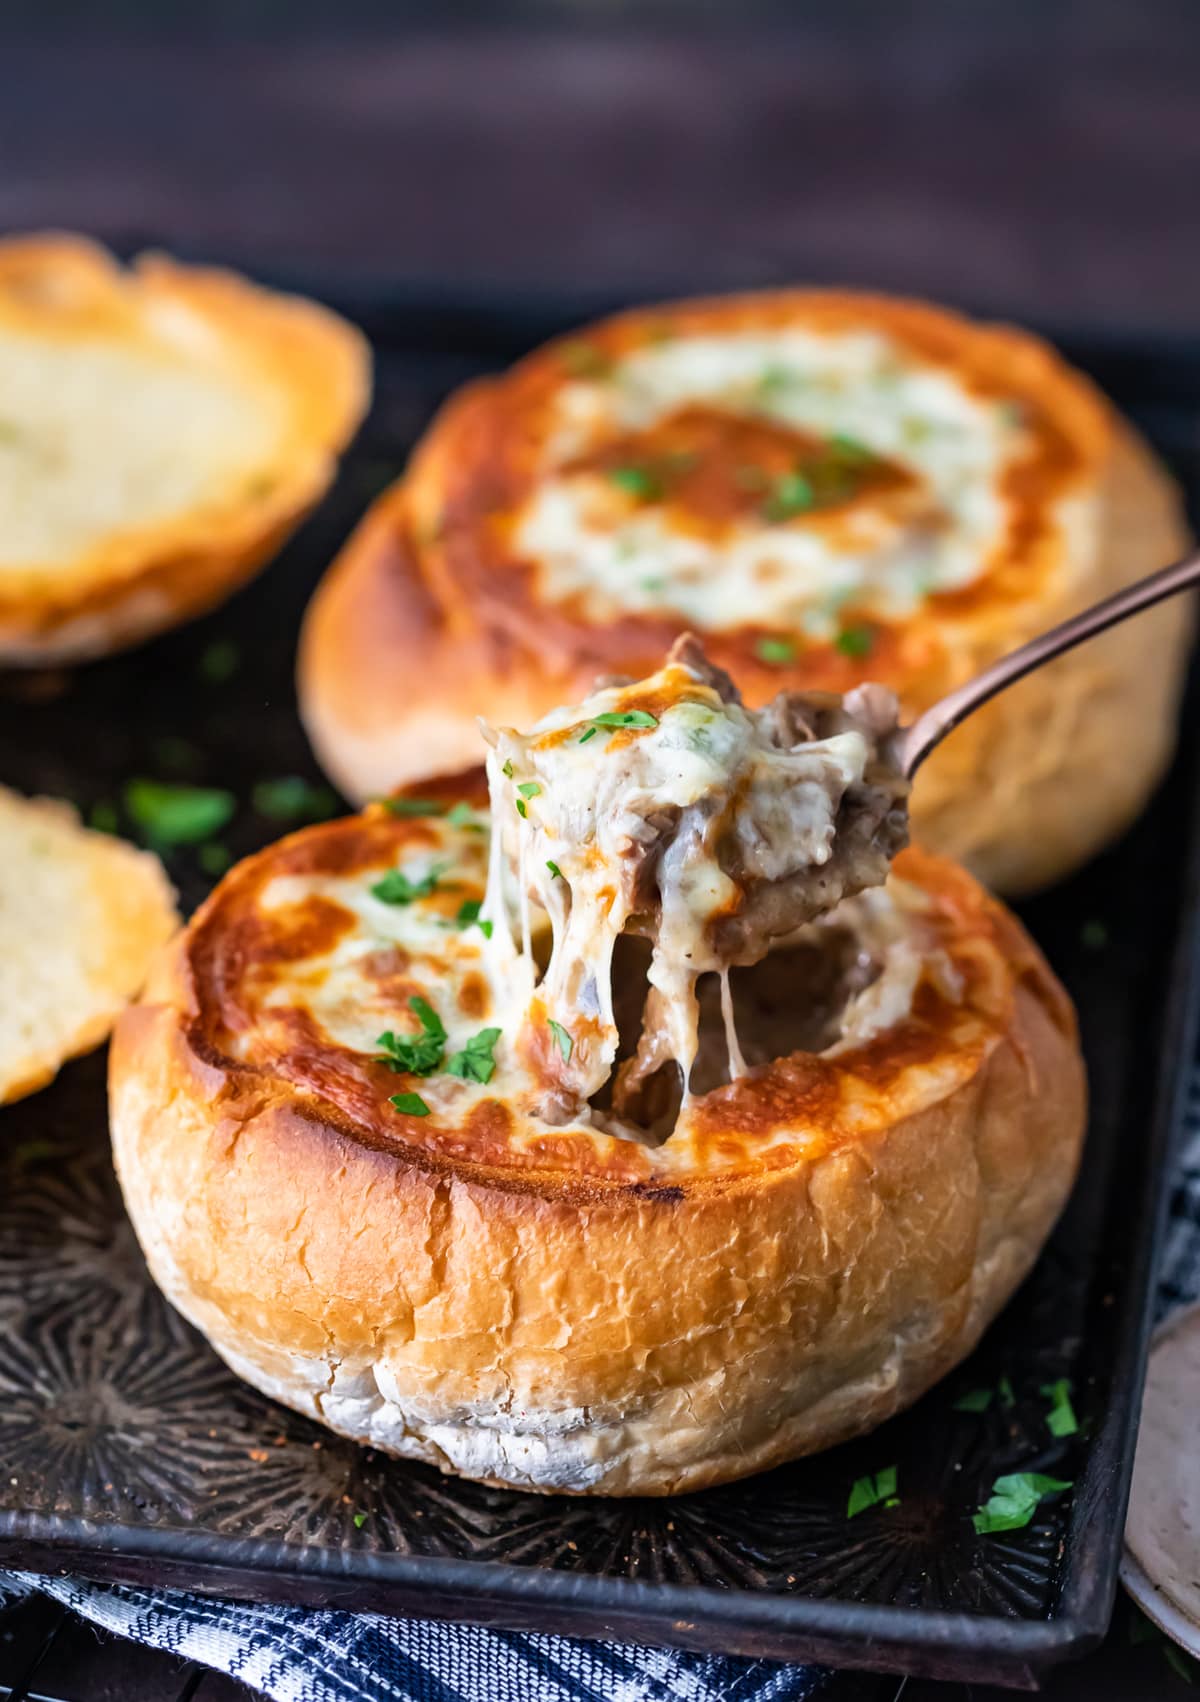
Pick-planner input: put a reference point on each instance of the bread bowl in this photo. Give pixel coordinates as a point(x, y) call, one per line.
point(509, 1276)
point(163, 428)
point(824, 486)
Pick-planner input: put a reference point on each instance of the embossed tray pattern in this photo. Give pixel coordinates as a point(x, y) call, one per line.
point(129, 1451)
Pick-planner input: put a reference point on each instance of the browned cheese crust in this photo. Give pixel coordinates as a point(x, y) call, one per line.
point(307, 369)
point(556, 1308)
point(432, 614)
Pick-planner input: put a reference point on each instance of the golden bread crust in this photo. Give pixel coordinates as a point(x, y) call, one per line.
point(82, 917)
point(493, 1297)
point(310, 366)
point(431, 614)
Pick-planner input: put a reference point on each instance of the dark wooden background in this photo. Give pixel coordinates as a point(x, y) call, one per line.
point(1033, 157)
point(1036, 158)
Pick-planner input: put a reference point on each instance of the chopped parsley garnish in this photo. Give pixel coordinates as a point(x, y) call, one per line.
point(639, 482)
point(585, 360)
point(293, 799)
point(168, 815)
point(1007, 1399)
point(410, 1103)
point(869, 1491)
point(214, 858)
point(1014, 1500)
point(397, 888)
point(554, 868)
point(507, 770)
point(414, 806)
point(849, 448)
point(623, 718)
point(975, 1400)
point(415, 1054)
point(522, 808)
point(652, 584)
point(360, 1519)
point(791, 494)
point(1094, 935)
point(590, 734)
point(469, 917)
point(778, 650)
point(103, 817)
point(529, 789)
point(219, 661)
point(565, 1044)
point(462, 815)
point(475, 1062)
point(775, 378)
point(855, 641)
point(1060, 1420)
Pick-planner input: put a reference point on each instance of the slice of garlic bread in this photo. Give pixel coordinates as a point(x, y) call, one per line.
point(81, 917)
point(162, 430)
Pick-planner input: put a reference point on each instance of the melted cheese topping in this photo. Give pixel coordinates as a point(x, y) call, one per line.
point(660, 808)
point(636, 535)
point(99, 439)
point(301, 969)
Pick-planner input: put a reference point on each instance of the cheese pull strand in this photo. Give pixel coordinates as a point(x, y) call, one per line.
point(666, 809)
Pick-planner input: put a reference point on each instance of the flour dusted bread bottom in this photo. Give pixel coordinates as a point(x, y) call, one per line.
point(555, 1307)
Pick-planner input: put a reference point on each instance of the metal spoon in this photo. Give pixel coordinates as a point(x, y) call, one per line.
point(913, 744)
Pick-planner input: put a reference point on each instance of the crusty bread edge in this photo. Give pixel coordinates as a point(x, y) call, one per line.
point(133, 886)
point(122, 594)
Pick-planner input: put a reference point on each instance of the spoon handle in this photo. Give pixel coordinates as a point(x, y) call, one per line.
point(929, 729)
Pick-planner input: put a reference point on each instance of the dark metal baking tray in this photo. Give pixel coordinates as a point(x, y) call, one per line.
point(129, 1452)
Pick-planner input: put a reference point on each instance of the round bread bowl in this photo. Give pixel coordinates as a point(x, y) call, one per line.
point(465, 591)
point(556, 1308)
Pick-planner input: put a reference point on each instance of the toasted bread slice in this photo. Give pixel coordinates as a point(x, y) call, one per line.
point(162, 430)
point(81, 917)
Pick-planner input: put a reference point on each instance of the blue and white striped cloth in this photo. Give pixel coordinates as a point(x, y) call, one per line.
point(300, 1655)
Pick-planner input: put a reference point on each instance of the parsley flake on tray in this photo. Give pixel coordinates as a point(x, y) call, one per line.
point(871, 1491)
point(169, 815)
point(1014, 1500)
point(292, 799)
point(975, 1400)
point(219, 661)
point(1060, 1420)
